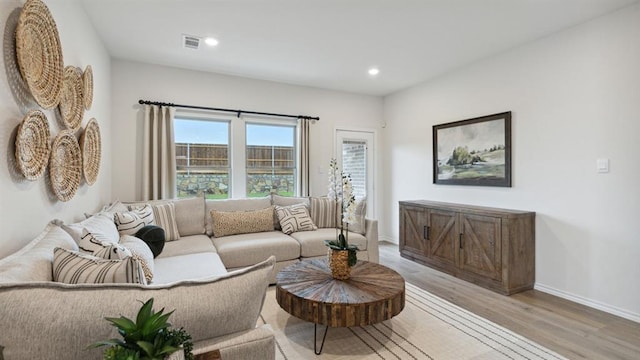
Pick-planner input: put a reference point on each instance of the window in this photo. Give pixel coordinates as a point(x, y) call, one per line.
point(202, 158)
point(271, 159)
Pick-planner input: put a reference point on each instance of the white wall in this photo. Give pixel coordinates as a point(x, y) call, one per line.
point(133, 81)
point(575, 97)
point(27, 206)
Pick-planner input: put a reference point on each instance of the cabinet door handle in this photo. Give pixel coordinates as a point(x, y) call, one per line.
point(461, 246)
point(426, 232)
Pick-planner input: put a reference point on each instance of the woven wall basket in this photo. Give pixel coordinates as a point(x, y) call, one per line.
point(87, 93)
point(71, 102)
point(65, 165)
point(33, 144)
point(39, 53)
point(90, 144)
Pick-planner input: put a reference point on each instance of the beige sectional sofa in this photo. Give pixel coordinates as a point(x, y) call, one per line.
point(201, 275)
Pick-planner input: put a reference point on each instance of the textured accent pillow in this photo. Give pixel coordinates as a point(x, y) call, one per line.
point(294, 218)
point(140, 251)
point(323, 212)
point(73, 267)
point(153, 236)
point(129, 222)
point(96, 245)
point(241, 222)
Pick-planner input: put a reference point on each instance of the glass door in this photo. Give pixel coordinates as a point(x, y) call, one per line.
point(355, 157)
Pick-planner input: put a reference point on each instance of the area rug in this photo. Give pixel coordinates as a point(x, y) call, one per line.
point(428, 328)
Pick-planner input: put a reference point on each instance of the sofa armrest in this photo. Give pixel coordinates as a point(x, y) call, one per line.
point(46, 325)
point(371, 233)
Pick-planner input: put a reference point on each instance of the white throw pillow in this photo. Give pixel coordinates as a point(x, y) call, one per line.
point(100, 223)
point(294, 218)
point(129, 222)
point(73, 267)
point(358, 226)
point(94, 245)
point(140, 250)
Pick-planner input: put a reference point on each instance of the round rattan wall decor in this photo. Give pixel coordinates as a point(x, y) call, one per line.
point(71, 103)
point(87, 93)
point(33, 144)
point(90, 144)
point(65, 165)
point(39, 53)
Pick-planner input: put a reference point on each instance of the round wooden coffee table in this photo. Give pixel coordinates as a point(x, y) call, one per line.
point(372, 294)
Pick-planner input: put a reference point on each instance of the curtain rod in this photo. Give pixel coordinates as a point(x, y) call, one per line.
point(237, 112)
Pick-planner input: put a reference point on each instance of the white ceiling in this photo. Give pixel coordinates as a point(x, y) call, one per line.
point(332, 43)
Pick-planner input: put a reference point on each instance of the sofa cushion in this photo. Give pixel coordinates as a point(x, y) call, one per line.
point(153, 236)
point(187, 267)
point(242, 222)
point(206, 308)
point(294, 218)
point(74, 267)
point(129, 222)
point(100, 223)
point(33, 261)
point(312, 242)
point(234, 205)
point(323, 212)
point(140, 251)
point(187, 245)
point(189, 213)
point(246, 249)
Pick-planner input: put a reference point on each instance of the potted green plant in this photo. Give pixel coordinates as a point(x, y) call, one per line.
point(149, 337)
point(342, 256)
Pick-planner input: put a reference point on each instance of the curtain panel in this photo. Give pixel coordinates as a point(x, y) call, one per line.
point(159, 153)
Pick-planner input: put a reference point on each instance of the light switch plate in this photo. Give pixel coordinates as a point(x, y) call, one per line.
point(602, 166)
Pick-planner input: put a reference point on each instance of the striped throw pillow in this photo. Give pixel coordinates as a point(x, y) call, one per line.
point(323, 212)
point(164, 216)
point(294, 218)
point(73, 267)
point(129, 222)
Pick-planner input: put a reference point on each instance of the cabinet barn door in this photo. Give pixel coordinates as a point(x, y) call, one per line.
point(413, 228)
point(480, 244)
point(443, 236)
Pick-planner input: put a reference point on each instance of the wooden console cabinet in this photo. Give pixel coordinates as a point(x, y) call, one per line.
point(493, 248)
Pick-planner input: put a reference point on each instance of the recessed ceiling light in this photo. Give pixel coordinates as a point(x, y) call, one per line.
point(374, 71)
point(211, 41)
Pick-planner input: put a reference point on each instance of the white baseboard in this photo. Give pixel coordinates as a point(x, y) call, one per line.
point(589, 302)
point(387, 239)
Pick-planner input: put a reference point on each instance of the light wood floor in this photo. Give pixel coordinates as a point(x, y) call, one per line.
point(573, 330)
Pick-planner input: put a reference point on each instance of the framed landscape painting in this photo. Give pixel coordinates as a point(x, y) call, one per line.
point(473, 152)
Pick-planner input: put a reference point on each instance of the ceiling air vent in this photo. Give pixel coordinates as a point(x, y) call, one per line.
point(191, 42)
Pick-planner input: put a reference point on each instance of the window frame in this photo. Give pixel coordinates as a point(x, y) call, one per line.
point(238, 144)
point(285, 123)
point(197, 116)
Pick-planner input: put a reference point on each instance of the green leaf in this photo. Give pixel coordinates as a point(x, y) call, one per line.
point(122, 323)
point(145, 312)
